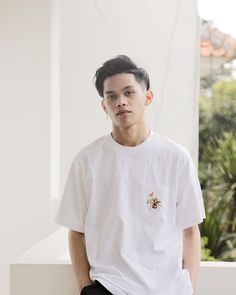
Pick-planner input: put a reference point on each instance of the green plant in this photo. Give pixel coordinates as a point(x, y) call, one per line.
point(217, 113)
point(205, 252)
point(217, 173)
point(217, 168)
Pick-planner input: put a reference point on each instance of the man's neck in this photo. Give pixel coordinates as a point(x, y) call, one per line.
point(130, 136)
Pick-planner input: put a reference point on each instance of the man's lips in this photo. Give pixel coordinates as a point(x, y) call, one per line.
point(121, 112)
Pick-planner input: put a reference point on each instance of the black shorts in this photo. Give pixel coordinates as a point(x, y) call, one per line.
point(95, 289)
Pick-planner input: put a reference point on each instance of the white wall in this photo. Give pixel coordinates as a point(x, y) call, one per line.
point(24, 128)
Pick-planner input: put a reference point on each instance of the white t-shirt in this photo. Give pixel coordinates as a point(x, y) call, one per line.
point(132, 204)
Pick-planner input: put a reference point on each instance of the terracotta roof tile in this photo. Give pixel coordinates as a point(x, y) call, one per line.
point(216, 43)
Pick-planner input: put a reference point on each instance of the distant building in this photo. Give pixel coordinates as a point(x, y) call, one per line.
point(216, 48)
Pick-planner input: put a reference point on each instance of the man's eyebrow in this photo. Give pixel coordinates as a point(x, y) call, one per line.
point(109, 91)
point(127, 87)
point(112, 91)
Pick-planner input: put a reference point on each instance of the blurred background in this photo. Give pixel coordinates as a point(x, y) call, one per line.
point(217, 128)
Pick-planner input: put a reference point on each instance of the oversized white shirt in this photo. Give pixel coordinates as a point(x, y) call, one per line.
point(132, 204)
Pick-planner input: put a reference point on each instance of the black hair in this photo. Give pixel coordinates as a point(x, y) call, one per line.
point(119, 64)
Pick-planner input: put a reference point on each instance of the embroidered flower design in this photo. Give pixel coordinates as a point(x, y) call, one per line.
point(153, 201)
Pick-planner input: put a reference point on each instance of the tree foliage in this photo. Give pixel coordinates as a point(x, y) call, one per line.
point(217, 169)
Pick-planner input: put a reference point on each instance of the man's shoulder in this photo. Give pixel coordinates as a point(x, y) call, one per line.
point(173, 152)
point(92, 148)
point(170, 147)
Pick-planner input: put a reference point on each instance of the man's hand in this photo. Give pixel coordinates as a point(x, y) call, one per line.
point(85, 283)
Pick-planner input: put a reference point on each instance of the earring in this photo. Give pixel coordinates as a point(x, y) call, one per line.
point(106, 116)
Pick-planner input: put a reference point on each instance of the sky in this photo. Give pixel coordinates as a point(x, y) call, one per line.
point(221, 12)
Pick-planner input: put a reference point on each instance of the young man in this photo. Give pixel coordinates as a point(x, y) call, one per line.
point(132, 200)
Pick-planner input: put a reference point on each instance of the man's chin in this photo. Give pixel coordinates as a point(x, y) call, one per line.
point(124, 125)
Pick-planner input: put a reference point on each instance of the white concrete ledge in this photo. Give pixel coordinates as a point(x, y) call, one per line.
point(46, 270)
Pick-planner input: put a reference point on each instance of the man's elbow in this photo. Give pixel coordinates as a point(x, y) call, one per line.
point(191, 231)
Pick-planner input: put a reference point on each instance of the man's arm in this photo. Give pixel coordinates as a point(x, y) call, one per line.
point(192, 252)
point(79, 258)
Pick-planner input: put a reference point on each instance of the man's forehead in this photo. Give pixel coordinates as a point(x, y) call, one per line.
point(124, 88)
point(119, 82)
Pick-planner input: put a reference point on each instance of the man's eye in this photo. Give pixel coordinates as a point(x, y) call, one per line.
point(129, 92)
point(111, 97)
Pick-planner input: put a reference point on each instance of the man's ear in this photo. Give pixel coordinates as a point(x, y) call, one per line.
point(103, 105)
point(149, 97)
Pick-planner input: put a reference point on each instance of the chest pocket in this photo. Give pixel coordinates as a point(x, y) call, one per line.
point(154, 203)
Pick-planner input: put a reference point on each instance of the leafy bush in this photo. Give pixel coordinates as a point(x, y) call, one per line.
point(217, 113)
point(205, 253)
point(217, 170)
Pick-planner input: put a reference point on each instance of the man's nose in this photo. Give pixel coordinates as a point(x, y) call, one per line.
point(121, 101)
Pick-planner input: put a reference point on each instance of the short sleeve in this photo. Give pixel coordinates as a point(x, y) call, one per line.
point(189, 207)
point(73, 208)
